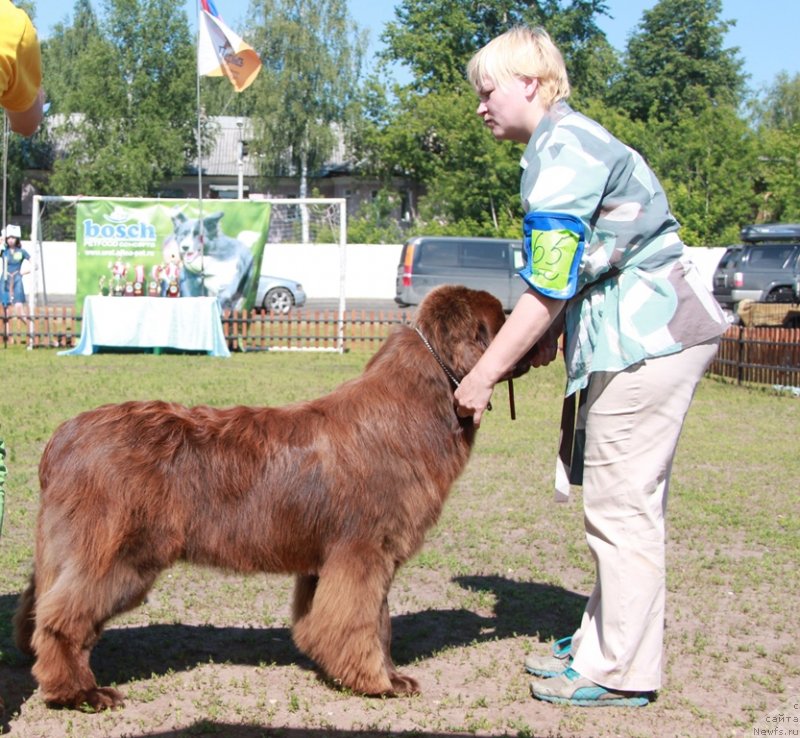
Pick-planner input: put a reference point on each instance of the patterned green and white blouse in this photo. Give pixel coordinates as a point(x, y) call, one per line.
point(592, 205)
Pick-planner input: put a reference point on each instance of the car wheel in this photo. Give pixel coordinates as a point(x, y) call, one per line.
point(780, 294)
point(278, 300)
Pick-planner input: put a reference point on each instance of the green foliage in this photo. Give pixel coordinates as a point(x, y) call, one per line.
point(675, 63)
point(711, 190)
point(122, 90)
point(472, 182)
point(776, 113)
point(779, 106)
point(778, 170)
point(312, 52)
point(434, 39)
point(123, 95)
point(24, 155)
point(375, 221)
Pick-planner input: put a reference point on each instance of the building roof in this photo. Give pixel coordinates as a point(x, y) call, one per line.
point(223, 159)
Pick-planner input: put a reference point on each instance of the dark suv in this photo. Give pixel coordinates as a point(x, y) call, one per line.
point(764, 268)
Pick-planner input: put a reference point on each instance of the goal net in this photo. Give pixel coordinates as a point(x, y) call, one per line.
point(303, 241)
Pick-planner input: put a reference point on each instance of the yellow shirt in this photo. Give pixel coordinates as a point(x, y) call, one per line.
point(20, 59)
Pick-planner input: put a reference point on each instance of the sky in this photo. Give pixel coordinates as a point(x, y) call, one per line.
point(765, 30)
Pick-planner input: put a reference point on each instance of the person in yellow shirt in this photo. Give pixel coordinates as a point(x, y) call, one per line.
point(21, 93)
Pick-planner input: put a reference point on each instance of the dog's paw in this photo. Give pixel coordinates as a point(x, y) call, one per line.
point(103, 698)
point(403, 686)
point(90, 700)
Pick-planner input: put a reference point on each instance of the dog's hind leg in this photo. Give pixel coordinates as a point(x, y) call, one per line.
point(341, 631)
point(69, 620)
point(25, 618)
point(305, 585)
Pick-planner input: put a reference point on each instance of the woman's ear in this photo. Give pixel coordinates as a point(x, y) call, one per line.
point(531, 86)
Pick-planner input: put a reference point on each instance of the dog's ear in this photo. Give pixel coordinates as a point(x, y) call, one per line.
point(211, 223)
point(178, 218)
point(489, 315)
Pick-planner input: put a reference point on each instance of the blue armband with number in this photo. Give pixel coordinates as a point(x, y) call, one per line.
point(553, 244)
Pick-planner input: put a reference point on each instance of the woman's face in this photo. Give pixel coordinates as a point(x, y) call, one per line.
point(506, 110)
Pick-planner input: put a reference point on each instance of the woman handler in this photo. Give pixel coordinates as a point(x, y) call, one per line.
point(604, 264)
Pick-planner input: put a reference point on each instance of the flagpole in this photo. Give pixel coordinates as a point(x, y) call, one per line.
point(221, 46)
point(200, 159)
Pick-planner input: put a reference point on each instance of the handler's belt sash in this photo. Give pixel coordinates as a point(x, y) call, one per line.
point(553, 244)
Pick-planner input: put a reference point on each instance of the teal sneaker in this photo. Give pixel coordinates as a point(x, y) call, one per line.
point(570, 688)
point(554, 663)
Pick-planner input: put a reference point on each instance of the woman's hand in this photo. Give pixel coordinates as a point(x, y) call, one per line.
point(473, 395)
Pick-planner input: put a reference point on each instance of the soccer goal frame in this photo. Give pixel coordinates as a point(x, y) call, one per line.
point(305, 223)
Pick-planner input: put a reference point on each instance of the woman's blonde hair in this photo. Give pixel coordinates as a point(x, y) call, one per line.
point(522, 52)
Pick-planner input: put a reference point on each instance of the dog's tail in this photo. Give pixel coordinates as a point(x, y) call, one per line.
point(25, 618)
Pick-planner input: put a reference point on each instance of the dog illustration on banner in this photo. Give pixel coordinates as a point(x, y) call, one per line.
point(218, 265)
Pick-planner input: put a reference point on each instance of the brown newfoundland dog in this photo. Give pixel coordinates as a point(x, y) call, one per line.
point(339, 491)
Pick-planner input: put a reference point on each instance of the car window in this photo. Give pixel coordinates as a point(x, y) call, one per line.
point(485, 256)
point(438, 253)
point(770, 257)
point(729, 258)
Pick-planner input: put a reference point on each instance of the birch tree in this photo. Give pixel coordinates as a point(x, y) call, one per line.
point(312, 53)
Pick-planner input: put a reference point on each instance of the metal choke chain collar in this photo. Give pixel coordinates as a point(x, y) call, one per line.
point(452, 377)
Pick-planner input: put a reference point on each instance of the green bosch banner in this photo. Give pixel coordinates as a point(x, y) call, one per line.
point(162, 249)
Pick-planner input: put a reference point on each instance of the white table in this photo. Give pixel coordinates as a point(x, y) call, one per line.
point(151, 323)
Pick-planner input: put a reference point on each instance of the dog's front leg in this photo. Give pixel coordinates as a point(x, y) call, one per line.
point(401, 683)
point(341, 631)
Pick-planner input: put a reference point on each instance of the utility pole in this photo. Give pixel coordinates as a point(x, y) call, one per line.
point(240, 162)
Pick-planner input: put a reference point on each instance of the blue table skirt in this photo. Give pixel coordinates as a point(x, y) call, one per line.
point(151, 323)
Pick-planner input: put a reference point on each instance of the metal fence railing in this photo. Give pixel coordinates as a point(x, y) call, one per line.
point(759, 355)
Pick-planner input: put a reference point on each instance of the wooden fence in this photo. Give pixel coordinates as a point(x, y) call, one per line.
point(259, 330)
point(760, 355)
point(255, 330)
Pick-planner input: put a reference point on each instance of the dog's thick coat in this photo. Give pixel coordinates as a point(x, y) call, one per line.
point(339, 491)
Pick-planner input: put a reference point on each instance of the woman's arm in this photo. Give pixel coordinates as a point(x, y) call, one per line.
point(26, 122)
point(528, 322)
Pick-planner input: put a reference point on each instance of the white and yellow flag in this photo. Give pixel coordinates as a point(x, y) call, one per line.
point(221, 52)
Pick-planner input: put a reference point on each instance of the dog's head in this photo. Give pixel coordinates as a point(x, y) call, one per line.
point(460, 323)
point(191, 240)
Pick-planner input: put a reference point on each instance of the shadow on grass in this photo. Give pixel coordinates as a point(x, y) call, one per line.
point(126, 654)
point(255, 731)
point(237, 730)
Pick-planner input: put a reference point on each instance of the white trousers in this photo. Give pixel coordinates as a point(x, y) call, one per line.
point(633, 422)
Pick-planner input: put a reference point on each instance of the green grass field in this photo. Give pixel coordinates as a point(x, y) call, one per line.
point(504, 573)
